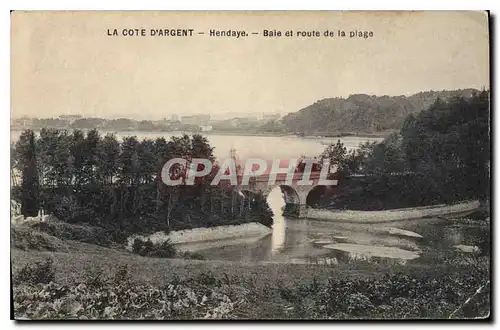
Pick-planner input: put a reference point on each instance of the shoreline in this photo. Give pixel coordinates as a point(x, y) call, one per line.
point(334, 136)
point(204, 235)
point(392, 215)
point(251, 230)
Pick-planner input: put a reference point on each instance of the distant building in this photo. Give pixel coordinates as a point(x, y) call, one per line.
point(195, 119)
point(206, 128)
point(174, 117)
point(23, 122)
point(241, 121)
point(233, 122)
point(270, 116)
point(70, 118)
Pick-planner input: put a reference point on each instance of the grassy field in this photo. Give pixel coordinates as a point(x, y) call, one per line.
point(251, 290)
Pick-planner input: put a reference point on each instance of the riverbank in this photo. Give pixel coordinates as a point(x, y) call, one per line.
point(392, 215)
point(197, 235)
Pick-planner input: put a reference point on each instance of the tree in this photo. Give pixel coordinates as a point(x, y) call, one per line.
point(147, 161)
point(77, 147)
point(91, 153)
point(129, 161)
point(163, 153)
point(200, 148)
point(30, 199)
point(336, 154)
point(449, 143)
point(14, 164)
point(387, 157)
point(108, 157)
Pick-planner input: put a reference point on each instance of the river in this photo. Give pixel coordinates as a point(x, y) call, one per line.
point(294, 240)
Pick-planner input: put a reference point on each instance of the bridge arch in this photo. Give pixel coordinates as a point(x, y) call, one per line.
point(290, 194)
point(291, 197)
point(316, 194)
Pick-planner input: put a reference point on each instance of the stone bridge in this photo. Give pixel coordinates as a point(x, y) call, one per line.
point(295, 194)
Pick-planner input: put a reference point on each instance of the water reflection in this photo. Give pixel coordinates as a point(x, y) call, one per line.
point(276, 202)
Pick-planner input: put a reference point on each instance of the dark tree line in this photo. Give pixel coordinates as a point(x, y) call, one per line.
point(440, 155)
point(86, 178)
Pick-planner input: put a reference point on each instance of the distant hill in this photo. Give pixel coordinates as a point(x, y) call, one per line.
point(361, 113)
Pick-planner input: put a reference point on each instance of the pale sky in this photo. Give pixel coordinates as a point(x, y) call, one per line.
point(64, 62)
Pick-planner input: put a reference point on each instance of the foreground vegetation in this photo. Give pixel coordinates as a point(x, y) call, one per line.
point(134, 287)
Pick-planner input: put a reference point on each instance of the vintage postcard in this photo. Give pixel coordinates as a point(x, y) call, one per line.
point(250, 165)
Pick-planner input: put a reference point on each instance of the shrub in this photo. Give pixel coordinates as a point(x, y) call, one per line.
point(137, 246)
point(28, 239)
point(165, 250)
point(69, 210)
point(358, 304)
point(40, 272)
point(208, 279)
point(122, 275)
point(149, 249)
point(94, 277)
point(77, 232)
